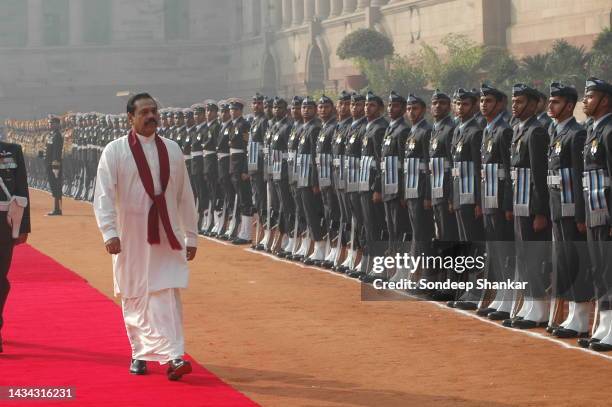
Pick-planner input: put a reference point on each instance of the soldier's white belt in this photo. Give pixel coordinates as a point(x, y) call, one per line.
point(196, 153)
point(266, 150)
point(187, 156)
point(236, 151)
point(222, 155)
point(206, 153)
point(602, 181)
point(553, 180)
point(501, 173)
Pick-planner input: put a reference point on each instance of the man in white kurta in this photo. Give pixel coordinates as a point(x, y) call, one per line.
point(147, 276)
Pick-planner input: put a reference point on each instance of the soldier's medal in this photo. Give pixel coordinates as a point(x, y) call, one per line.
point(302, 140)
point(353, 137)
point(236, 131)
point(434, 144)
point(226, 132)
point(199, 138)
point(187, 140)
point(459, 147)
point(557, 147)
point(490, 146)
point(365, 142)
point(594, 146)
point(411, 144)
point(276, 137)
point(388, 141)
point(518, 146)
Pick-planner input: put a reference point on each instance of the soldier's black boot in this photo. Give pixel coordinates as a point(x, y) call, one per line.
point(56, 211)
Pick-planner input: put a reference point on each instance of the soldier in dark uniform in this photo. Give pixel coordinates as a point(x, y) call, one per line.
point(280, 132)
point(257, 132)
point(542, 116)
point(531, 210)
point(572, 280)
point(210, 135)
point(465, 149)
point(299, 248)
point(53, 160)
point(597, 105)
point(343, 112)
point(352, 155)
point(269, 109)
point(226, 188)
point(201, 193)
point(393, 152)
point(324, 161)
point(496, 194)
point(14, 213)
point(185, 143)
point(271, 240)
point(416, 182)
point(239, 171)
point(307, 182)
point(370, 184)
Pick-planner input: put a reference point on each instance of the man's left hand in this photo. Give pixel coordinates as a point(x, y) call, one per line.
point(191, 252)
point(21, 239)
point(245, 177)
point(377, 197)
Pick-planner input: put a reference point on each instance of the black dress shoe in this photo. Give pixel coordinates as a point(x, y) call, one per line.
point(508, 322)
point(527, 324)
point(177, 368)
point(55, 213)
point(239, 241)
point(585, 342)
point(551, 328)
point(451, 304)
point(441, 296)
point(600, 347)
point(466, 305)
point(564, 333)
point(138, 367)
point(483, 312)
point(498, 315)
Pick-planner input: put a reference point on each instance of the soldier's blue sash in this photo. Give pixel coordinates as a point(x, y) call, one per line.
point(389, 168)
point(324, 165)
point(365, 166)
point(292, 165)
point(596, 183)
point(303, 170)
point(521, 184)
point(253, 155)
point(339, 174)
point(490, 180)
point(277, 164)
point(352, 173)
point(464, 181)
point(411, 177)
point(437, 168)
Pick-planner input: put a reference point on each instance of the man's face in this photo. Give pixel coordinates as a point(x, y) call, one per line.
point(593, 101)
point(269, 111)
point(357, 109)
point(257, 106)
point(325, 111)
point(145, 117)
point(179, 120)
point(415, 112)
point(440, 108)
point(235, 113)
point(523, 107)
point(200, 116)
point(211, 114)
point(344, 108)
point(296, 113)
point(396, 110)
point(559, 108)
point(465, 108)
point(164, 122)
point(279, 111)
point(489, 107)
point(190, 121)
point(225, 115)
point(372, 110)
point(171, 121)
point(308, 112)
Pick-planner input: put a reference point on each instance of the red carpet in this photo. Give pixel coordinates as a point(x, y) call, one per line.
point(60, 331)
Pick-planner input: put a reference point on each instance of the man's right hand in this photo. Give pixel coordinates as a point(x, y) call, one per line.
point(113, 245)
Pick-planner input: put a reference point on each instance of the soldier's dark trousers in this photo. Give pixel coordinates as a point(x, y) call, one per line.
point(533, 256)
point(354, 200)
point(499, 236)
point(398, 221)
point(345, 214)
point(331, 209)
point(600, 253)
point(201, 191)
point(471, 230)
point(287, 205)
point(259, 194)
point(313, 209)
point(572, 278)
point(298, 204)
point(373, 216)
point(55, 183)
point(6, 254)
point(245, 199)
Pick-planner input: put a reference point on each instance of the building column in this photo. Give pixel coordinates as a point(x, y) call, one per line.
point(362, 4)
point(76, 22)
point(298, 12)
point(348, 6)
point(276, 13)
point(35, 23)
point(309, 10)
point(247, 18)
point(335, 8)
point(287, 13)
point(322, 8)
point(379, 3)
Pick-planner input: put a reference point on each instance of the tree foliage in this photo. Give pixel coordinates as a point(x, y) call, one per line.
point(365, 43)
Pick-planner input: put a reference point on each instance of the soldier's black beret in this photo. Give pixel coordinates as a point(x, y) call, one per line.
point(223, 105)
point(258, 97)
point(210, 104)
point(395, 97)
point(521, 89)
point(188, 112)
point(53, 118)
point(198, 108)
point(268, 102)
point(324, 99)
point(486, 89)
point(357, 97)
point(308, 101)
point(559, 89)
point(464, 94)
point(178, 113)
point(344, 96)
point(598, 85)
point(371, 97)
point(414, 100)
point(296, 101)
point(279, 102)
point(438, 94)
point(236, 104)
